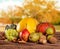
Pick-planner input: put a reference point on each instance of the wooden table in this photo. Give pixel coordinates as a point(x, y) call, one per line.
point(10, 45)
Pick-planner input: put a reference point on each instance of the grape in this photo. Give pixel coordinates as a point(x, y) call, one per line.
point(11, 34)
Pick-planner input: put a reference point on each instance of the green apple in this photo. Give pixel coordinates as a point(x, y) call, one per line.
point(34, 37)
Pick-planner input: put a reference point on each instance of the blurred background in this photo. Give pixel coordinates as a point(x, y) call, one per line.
point(12, 11)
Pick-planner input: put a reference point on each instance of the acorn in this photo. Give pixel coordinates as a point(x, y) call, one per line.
point(42, 39)
point(51, 39)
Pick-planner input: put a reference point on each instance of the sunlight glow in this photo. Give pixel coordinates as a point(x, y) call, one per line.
point(4, 4)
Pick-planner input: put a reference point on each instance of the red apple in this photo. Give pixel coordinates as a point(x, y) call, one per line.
point(24, 35)
point(43, 26)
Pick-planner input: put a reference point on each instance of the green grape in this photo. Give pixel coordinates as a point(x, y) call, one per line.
point(11, 34)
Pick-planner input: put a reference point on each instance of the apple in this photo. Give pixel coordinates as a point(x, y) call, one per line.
point(34, 37)
point(43, 26)
point(24, 35)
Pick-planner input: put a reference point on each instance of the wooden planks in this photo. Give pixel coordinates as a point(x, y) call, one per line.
point(10, 45)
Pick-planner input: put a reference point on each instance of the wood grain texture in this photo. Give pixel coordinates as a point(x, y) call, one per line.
point(10, 45)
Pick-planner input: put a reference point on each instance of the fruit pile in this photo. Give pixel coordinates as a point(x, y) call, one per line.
point(30, 30)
